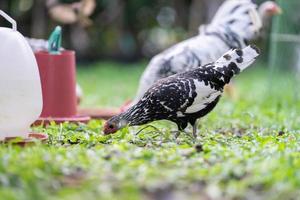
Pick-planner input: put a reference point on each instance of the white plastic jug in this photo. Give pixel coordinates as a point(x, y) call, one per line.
point(20, 86)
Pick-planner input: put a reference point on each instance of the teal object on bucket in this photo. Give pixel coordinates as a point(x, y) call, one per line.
point(54, 42)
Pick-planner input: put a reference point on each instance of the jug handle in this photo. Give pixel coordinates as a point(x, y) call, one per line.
point(8, 18)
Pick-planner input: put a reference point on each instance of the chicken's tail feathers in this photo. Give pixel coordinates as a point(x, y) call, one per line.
point(236, 60)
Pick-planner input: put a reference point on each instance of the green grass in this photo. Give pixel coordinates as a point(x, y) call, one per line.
point(246, 149)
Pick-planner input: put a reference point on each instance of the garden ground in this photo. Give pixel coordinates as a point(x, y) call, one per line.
point(246, 148)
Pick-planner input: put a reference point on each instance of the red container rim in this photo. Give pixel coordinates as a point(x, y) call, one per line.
point(62, 53)
point(99, 113)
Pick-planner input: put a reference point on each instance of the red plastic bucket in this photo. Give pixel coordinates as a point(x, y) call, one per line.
point(58, 78)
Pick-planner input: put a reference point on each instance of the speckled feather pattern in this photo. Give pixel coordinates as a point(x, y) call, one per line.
point(185, 97)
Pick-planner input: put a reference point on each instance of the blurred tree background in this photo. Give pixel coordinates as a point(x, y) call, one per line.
point(125, 30)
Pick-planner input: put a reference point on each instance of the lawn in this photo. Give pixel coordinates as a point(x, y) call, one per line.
point(246, 148)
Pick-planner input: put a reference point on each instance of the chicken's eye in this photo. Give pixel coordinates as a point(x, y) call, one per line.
point(111, 126)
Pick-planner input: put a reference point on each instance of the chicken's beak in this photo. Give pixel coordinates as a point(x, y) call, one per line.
point(276, 10)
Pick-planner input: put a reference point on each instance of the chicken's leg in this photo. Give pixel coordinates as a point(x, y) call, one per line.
point(195, 129)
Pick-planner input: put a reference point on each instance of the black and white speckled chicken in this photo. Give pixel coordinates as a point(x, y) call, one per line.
point(235, 23)
point(185, 97)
